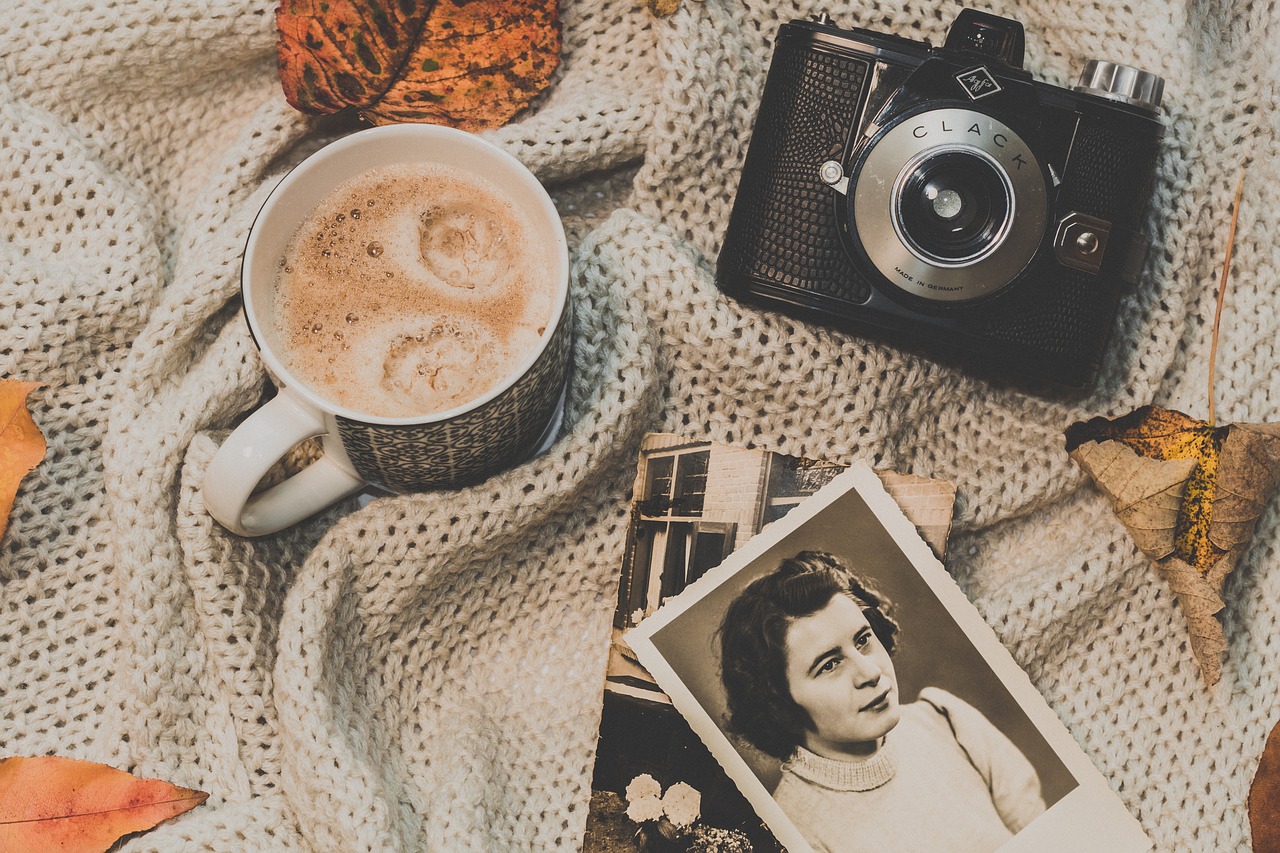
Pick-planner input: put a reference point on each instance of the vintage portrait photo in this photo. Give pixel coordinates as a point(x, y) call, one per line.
point(859, 701)
point(694, 503)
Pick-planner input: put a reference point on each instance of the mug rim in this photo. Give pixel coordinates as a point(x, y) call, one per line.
point(286, 380)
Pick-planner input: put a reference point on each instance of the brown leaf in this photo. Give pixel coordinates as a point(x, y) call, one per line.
point(1200, 598)
point(471, 64)
point(22, 444)
point(1190, 494)
point(1145, 493)
point(1264, 798)
point(61, 805)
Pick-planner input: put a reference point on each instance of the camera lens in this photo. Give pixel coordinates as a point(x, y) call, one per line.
point(948, 204)
point(953, 205)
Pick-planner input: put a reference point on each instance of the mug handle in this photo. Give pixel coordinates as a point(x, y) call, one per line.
point(251, 450)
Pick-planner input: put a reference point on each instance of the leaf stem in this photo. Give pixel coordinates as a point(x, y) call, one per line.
point(1222, 292)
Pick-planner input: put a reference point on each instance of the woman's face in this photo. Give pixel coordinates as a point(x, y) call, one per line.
point(843, 677)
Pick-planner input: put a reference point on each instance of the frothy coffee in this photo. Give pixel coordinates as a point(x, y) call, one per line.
point(411, 290)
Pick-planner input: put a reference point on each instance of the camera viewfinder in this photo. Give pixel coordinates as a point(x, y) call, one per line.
point(990, 35)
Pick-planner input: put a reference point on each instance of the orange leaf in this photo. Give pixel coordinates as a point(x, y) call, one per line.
point(61, 805)
point(471, 64)
point(21, 442)
point(1190, 493)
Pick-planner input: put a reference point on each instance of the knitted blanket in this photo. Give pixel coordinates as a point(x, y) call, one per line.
point(424, 672)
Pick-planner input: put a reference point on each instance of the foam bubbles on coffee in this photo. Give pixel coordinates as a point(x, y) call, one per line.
point(463, 245)
point(411, 290)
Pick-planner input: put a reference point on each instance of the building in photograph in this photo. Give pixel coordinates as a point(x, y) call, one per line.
point(695, 503)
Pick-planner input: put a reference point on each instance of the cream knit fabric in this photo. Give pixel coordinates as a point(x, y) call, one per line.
point(424, 673)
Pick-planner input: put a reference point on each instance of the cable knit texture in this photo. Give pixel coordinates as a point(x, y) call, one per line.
point(863, 775)
point(424, 672)
point(945, 778)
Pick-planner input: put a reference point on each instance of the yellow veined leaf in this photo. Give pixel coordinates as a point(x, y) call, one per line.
point(1190, 493)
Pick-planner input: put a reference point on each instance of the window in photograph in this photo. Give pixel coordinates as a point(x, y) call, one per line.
point(712, 542)
point(657, 494)
point(791, 479)
point(691, 484)
point(676, 484)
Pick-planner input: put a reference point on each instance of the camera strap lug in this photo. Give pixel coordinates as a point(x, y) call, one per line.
point(832, 174)
point(1081, 241)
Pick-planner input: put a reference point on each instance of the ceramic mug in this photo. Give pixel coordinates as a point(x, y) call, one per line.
point(448, 449)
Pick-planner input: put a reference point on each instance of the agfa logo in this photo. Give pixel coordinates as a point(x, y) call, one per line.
point(978, 82)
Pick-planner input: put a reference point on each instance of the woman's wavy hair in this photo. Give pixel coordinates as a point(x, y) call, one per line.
point(753, 655)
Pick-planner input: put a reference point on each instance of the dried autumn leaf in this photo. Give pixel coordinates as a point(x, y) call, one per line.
point(21, 442)
point(662, 8)
point(1190, 494)
point(1264, 798)
point(61, 805)
point(471, 65)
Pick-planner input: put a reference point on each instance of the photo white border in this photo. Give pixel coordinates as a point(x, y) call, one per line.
point(1090, 818)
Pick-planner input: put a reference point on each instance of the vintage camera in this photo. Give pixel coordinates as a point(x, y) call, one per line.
point(942, 199)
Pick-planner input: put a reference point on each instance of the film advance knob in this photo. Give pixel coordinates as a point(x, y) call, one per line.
point(1121, 83)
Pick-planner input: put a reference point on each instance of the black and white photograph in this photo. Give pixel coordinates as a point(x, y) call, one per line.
point(861, 703)
point(695, 502)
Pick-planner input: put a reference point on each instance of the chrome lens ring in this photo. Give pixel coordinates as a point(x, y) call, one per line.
point(949, 218)
point(892, 168)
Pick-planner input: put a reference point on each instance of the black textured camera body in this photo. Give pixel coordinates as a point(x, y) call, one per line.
point(807, 242)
